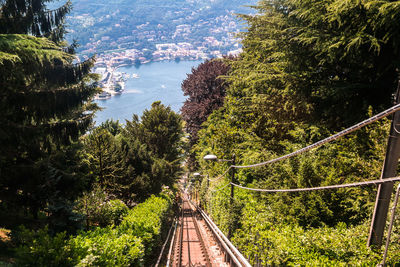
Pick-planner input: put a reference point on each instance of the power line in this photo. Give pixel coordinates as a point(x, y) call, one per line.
point(326, 140)
point(372, 182)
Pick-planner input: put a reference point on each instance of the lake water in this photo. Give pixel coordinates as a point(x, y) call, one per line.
point(157, 81)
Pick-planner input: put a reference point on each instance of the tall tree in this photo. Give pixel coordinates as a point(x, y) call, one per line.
point(206, 91)
point(45, 106)
point(320, 61)
point(160, 129)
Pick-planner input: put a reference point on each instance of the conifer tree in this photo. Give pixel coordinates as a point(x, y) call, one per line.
point(44, 106)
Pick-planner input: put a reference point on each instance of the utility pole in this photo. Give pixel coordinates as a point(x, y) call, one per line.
point(385, 190)
point(233, 170)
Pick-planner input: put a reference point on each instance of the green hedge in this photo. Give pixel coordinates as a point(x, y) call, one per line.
point(129, 244)
point(107, 247)
point(146, 221)
point(284, 244)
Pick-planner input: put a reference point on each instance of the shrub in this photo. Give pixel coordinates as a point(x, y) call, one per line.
point(146, 221)
point(38, 248)
point(291, 245)
point(129, 244)
point(99, 210)
point(107, 247)
point(115, 210)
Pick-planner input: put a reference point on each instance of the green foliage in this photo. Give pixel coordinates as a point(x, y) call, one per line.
point(43, 249)
point(160, 129)
point(116, 210)
point(106, 247)
point(134, 161)
point(99, 210)
point(321, 61)
point(131, 243)
point(45, 109)
point(114, 127)
point(103, 156)
point(147, 220)
point(308, 69)
point(291, 245)
point(32, 17)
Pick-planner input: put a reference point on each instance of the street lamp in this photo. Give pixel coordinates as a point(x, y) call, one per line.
point(215, 158)
point(210, 157)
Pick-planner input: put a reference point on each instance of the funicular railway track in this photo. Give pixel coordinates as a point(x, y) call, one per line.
point(197, 241)
point(190, 249)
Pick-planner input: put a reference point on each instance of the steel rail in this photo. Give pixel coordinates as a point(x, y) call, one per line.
point(188, 239)
point(202, 245)
point(172, 244)
point(188, 212)
point(181, 239)
point(165, 243)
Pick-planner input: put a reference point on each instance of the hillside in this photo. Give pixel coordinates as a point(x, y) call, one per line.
point(204, 26)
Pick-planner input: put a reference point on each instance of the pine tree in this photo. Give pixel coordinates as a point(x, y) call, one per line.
point(44, 106)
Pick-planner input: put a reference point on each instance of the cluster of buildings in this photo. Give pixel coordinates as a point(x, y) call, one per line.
point(147, 42)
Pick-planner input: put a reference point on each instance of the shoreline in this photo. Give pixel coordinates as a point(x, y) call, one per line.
point(108, 89)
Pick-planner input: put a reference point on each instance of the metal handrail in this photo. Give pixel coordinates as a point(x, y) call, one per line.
point(172, 245)
point(233, 252)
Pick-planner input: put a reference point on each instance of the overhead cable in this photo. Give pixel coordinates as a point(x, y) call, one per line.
point(372, 182)
point(219, 189)
point(219, 177)
point(326, 140)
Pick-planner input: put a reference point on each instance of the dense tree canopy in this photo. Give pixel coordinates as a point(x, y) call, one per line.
point(320, 61)
point(134, 161)
point(45, 106)
point(205, 89)
point(308, 69)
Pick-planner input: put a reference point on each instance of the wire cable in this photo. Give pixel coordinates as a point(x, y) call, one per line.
point(222, 175)
point(219, 189)
point(372, 182)
point(326, 140)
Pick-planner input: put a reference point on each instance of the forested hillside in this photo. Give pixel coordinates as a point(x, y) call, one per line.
point(308, 70)
point(72, 194)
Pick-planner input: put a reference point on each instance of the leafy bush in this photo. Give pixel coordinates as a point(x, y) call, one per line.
point(146, 221)
point(38, 248)
point(106, 247)
point(99, 210)
point(291, 245)
point(115, 210)
point(130, 243)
